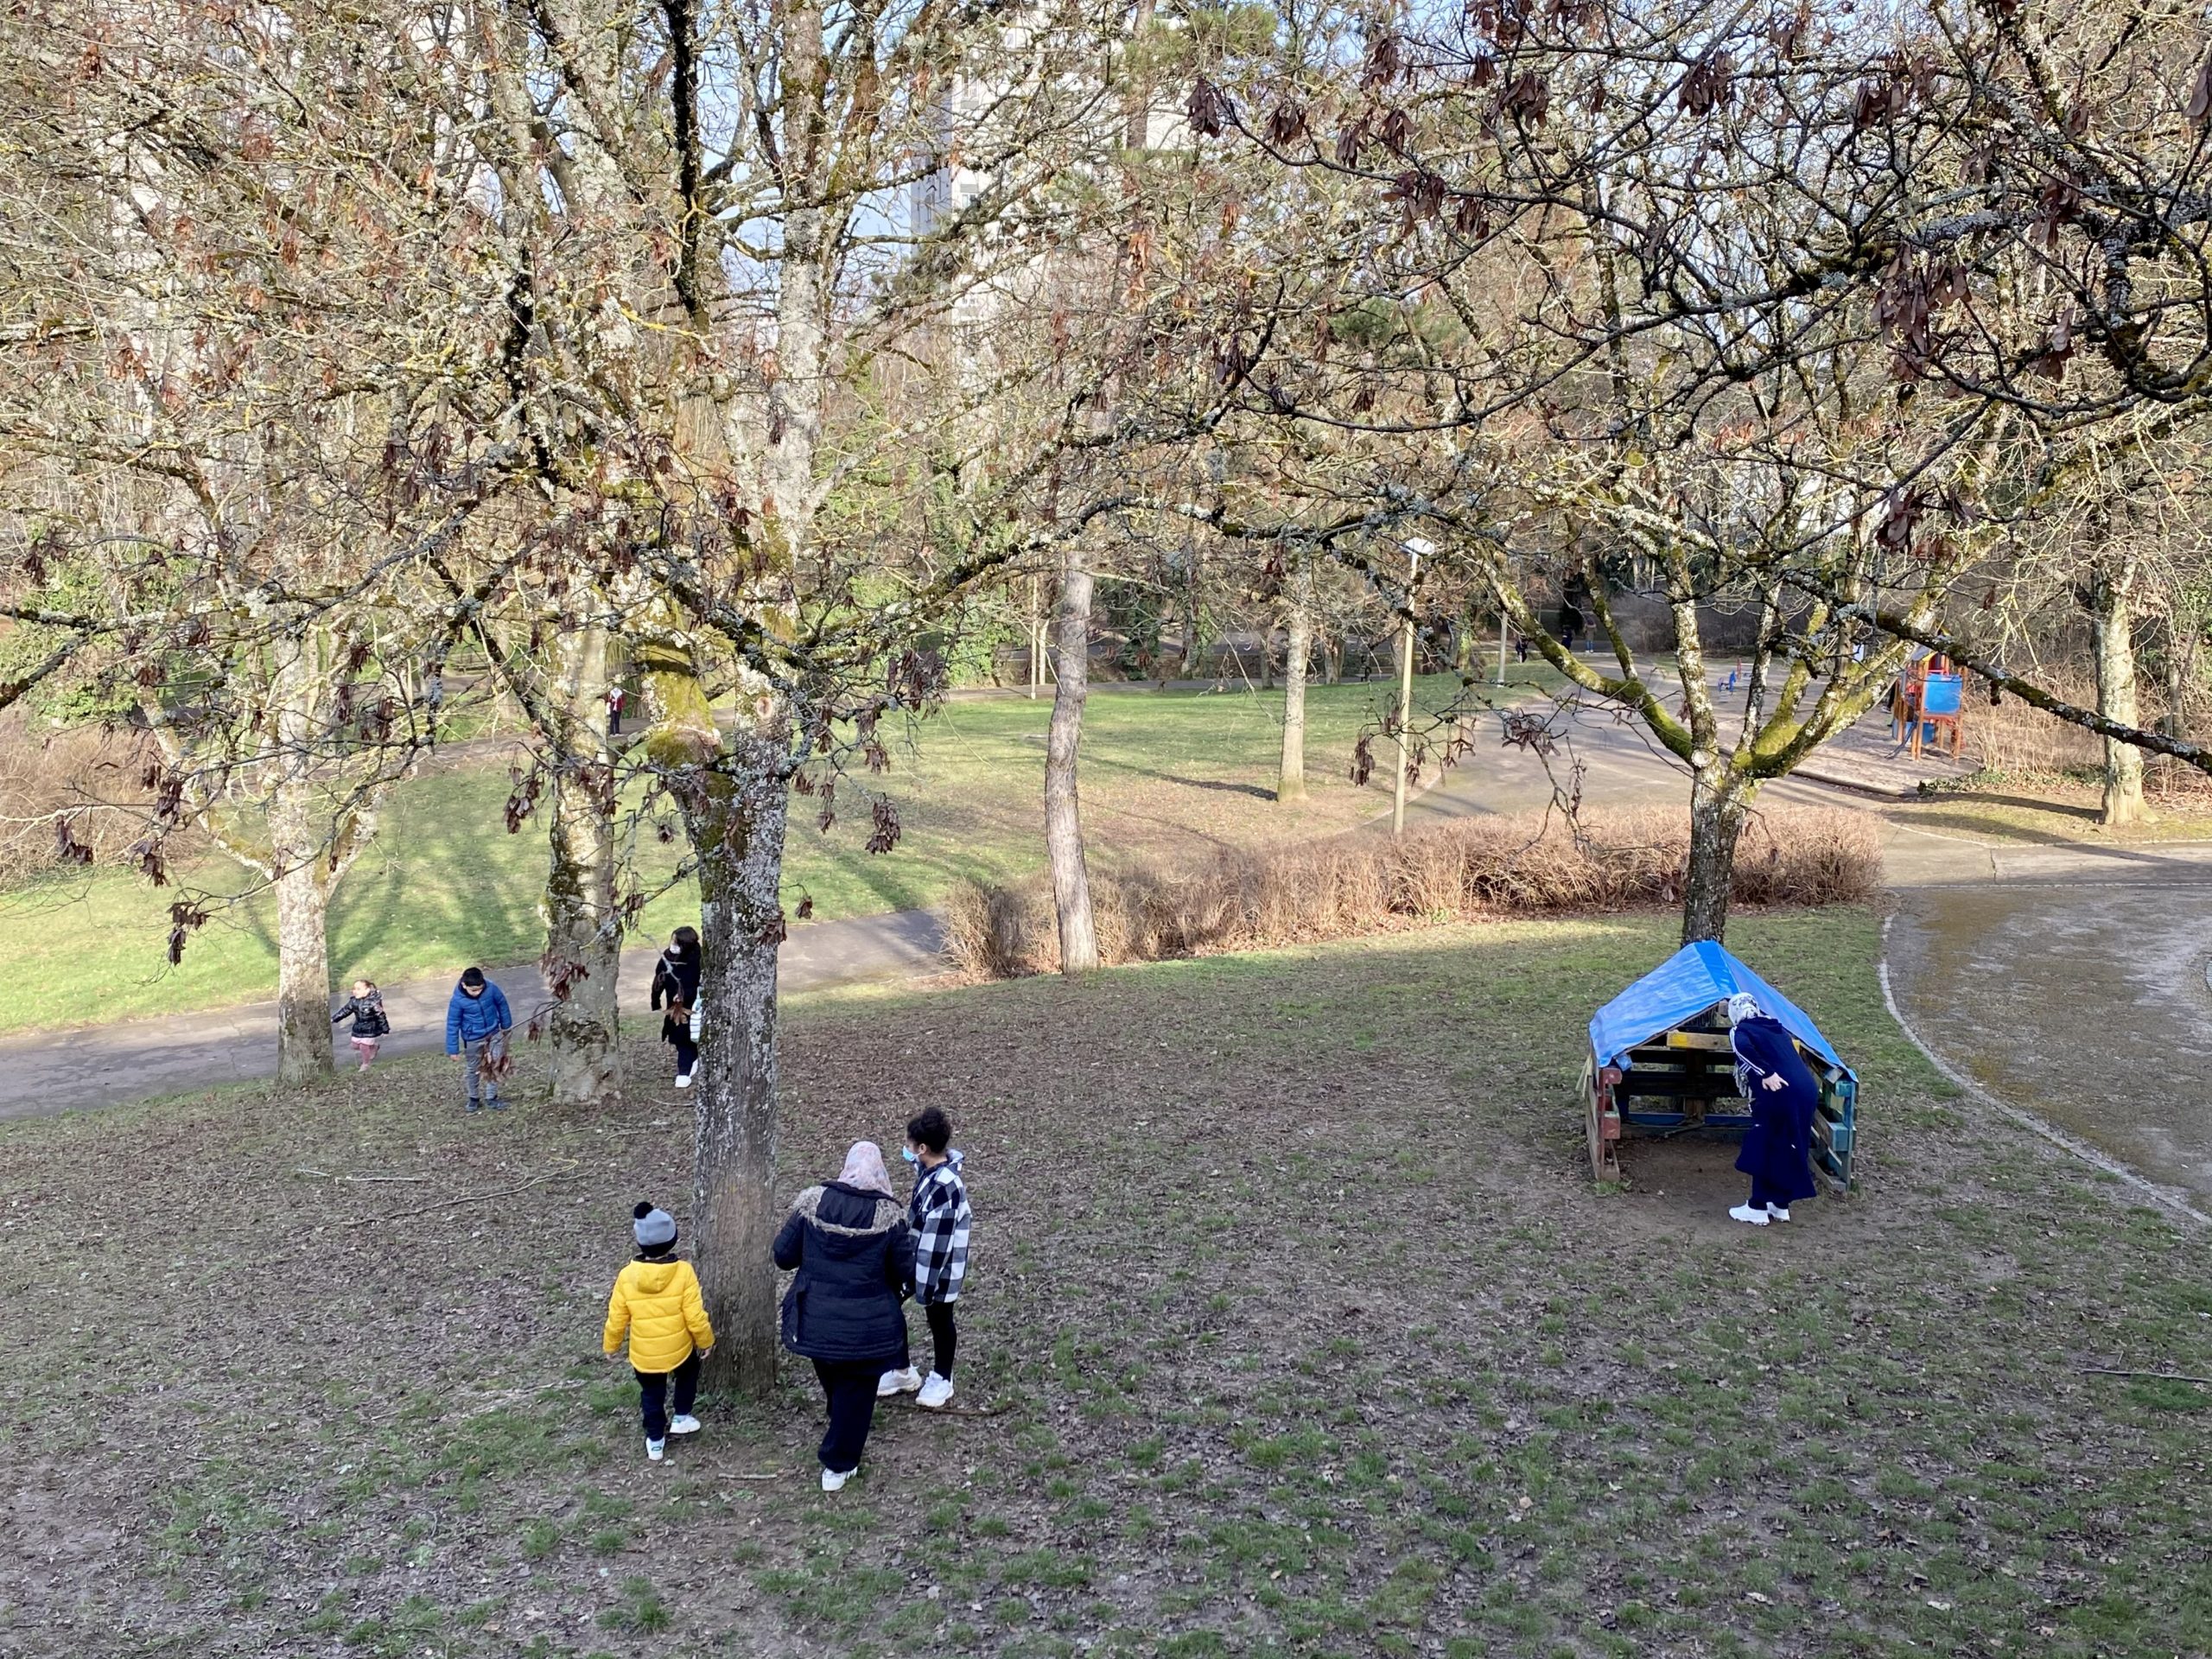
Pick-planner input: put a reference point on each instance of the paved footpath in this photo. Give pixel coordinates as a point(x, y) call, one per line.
point(49, 1072)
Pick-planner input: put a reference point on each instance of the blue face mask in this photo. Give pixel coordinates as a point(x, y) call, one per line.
point(907, 1152)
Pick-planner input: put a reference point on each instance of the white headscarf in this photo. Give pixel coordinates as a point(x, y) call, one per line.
point(864, 1169)
point(1741, 1007)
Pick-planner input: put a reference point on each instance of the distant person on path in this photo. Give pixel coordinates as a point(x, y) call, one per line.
point(477, 1024)
point(853, 1257)
point(1777, 1151)
point(613, 708)
point(369, 1025)
point(1570, 624)
point(939, 1214)
point(657, 1305)
point(1521, 646)
point(676, 992)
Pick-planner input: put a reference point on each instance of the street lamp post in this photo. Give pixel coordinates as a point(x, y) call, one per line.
point(1415, 548)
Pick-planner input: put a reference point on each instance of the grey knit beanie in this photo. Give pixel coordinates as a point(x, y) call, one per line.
point(655, 1228)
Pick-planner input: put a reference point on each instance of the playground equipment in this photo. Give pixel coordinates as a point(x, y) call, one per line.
point(1660, 1062)
point(1927, 705)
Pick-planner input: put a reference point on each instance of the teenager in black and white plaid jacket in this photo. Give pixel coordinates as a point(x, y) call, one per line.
point(939, 1214)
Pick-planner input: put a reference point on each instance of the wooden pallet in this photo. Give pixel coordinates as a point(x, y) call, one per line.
point(1680, 1078)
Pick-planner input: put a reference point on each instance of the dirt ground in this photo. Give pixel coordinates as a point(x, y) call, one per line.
point(1304, 1328)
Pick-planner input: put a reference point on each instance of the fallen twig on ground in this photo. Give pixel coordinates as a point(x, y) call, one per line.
point(456, 1202)
point(325, 1174)
point(2163, 1377)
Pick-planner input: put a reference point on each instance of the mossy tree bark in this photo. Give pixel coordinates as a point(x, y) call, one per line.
point(582, 956)
point(2113, 610)
point(734, 792)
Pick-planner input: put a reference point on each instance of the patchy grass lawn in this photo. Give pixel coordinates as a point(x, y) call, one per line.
point(444, 885)
point(1305, 1328)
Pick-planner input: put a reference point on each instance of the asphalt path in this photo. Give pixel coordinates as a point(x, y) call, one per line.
point(43, 1074)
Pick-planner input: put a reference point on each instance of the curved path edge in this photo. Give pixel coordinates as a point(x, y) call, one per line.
point(2088, 1155)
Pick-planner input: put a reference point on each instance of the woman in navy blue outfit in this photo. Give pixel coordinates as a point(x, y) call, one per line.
point(1777, 1151)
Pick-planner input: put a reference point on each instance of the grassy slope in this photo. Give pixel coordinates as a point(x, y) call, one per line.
point(1307, 1333)
point(444, 885)
point(2053, 811)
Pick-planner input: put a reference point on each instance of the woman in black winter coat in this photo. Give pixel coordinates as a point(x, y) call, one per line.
point(853, 1253)
point(676, 989)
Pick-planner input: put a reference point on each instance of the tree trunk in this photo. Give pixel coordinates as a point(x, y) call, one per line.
point(303, 1048)
point(583, 938)
point(1063, 813)
point(1187, 606)
point(1332, 658)
point(734, 798)
point(1297, 650)
point(300, 859)
point(738, 830)
point(1719, 801)
point(2116, 700)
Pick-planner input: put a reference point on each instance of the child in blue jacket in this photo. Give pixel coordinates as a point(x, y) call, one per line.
point(477, 1024)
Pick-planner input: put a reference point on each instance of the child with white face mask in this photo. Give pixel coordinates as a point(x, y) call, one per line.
point(939, 1214)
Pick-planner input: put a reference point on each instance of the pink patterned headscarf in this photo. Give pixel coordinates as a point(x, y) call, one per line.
point(864, 1169)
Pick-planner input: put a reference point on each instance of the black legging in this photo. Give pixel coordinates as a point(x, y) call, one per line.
point(944, 1339)
point(687, 1051)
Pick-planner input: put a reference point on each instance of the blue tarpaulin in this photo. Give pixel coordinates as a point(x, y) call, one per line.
point(1681, 987)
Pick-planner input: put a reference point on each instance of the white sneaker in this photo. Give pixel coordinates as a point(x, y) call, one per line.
point(684, 1083)
point(936, 1392)
point(655, 1449)
point(1744, 1212)
point(1777, 1212)
point(684, 1423)
point(893, 1382)
point(833, 1481)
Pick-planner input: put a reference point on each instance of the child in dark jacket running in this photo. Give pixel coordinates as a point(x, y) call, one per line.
point(676, 989)
point(369, 1025)
point(939, 1214)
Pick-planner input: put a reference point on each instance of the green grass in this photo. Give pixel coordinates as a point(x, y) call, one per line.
point(444, 885)
point(1264, 1383)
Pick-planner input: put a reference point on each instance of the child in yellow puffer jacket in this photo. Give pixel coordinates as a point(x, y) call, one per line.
point(657, 1304)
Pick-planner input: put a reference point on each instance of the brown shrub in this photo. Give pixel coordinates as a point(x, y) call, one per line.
point(1248, 899)
point(90, 775)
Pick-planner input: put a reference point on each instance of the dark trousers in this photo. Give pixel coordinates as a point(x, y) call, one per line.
point(944, 1339)
point(687, 1051)
point(848, 1386)
point(1765, 1192)
point(653, 1392)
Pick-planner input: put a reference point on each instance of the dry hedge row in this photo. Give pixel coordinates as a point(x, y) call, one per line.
point(1248, 898)
point(66, 772)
